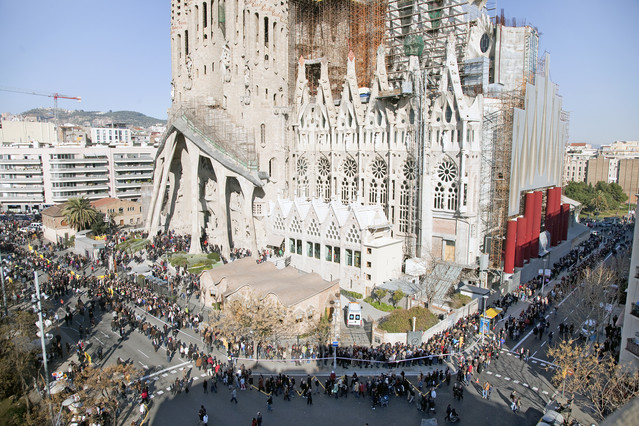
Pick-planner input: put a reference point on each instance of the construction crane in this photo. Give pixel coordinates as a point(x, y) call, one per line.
point(55, 97)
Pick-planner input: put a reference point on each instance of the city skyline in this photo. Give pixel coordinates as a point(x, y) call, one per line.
point(124, 62)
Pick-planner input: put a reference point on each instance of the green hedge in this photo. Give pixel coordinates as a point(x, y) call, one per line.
point(401, 320)
point(379, 305)
point(353, 294)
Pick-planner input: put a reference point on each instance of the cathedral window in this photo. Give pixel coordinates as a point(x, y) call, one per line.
point(313, 228)
point(302, 177)
point(296, 226)
point(446, 195)
point(279, 222)
point(332, 233)
point(353, 236)
point(324, 179)
point(378, 191)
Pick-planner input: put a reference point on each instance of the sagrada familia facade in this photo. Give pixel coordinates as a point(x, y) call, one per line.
point(353, 135)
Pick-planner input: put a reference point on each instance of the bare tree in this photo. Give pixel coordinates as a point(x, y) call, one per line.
point(250, 315)
point(593, 298)
point(98, 389)
point(603, 383)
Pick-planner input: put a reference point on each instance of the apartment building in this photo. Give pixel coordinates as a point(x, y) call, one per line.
point(629, 354)
point(110, 136)
point(576, 161)
point(33, 176)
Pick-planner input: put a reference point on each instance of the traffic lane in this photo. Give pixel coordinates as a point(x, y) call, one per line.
point(343, 411)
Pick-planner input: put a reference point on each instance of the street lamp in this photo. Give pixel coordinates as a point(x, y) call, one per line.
point(543, 283)
point(483, 322)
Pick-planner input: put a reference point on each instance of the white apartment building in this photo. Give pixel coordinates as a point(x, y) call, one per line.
point(33, 177)
point(629, 354)
point(110, 136)
point(576, 161)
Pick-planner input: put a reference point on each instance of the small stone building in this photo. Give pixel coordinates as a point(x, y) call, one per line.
point(123, 212)
point(54, 226)
point(307, 296)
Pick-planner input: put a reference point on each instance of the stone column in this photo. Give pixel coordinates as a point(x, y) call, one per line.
point(220, 173)
point(196, 230)
point(158, 195)
point(247, 210)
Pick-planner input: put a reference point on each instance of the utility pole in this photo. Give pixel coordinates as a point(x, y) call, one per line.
point(4, 291)
point(44, 346)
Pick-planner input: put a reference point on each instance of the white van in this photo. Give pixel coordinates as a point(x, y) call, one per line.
point(354, 315)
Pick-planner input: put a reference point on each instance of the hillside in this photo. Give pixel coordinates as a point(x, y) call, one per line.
point(97, 118)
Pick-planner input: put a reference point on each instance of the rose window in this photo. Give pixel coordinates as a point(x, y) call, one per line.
point(379, 169)
point(302, 166)
point(324, 168)
point(410, 170)
point(447, 171)
point(350, 168)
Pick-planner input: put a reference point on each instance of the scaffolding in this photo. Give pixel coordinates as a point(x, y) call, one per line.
point(498, 132)
point(432, 20)
point(330, 29)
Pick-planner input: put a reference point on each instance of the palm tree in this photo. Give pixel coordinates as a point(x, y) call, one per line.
point(79, 213)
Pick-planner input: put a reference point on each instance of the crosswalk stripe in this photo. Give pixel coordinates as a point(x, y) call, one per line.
point(497, 375)
point(535, 388)
point(515, 381)
point(525, 384)
point(164, 375)
point(544, 392)
point(506, 378)
point(489, 372)
point(173, 371)
point(160, 392)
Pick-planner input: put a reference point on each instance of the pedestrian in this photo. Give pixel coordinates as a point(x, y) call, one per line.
point(234, 395)
point(269, 403)
point(259, 419)
point(254, 422)
point(205, 386)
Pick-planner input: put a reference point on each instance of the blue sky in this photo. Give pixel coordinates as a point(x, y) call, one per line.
point(116, 55)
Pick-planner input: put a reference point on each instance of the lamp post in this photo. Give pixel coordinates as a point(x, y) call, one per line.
point(44, 347)
point(543, 282)
point(4, 292)
point(481, 323)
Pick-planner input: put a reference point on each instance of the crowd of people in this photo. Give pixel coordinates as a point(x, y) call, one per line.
point(129, 303)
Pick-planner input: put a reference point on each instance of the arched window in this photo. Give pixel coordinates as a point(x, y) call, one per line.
point(349, 182)
point(406, 214)
point(446, 193)
point(377, 192)
point(324, 179)
point(302, 177)
point(263, 135)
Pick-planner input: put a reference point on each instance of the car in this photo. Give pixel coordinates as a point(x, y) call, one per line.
point(551, 418)
point(588, 329)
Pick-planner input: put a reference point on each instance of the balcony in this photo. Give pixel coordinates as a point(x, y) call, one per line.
point(134, 168)
point(98, 178)
point(635, 310)
point(102, 160)
point(632, 347)
point(13, 180)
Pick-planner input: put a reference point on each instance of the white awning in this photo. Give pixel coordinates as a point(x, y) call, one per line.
point(275, 241)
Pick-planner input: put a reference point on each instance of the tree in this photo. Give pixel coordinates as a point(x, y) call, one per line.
point(398, 295)
point(323, 330)
point(603, 383)
point(79, 213)
point(616, 191)
point(598, 203)
point(579, 191)
point(380, 293)
point(250, 315)
point(99, 387)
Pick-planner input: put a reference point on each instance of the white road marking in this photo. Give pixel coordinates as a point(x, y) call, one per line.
point(497, 375)
point(534, 362)
point(155, 379)
point(506, 378)
point(535, 388)
point(566, 319)
point(525, 384)
point(105, 335)
point(534, 354)
point(152, 396)
point(157, 373)
point(164, 375)
point(101, 342)
point(181, 368)
point(544, 392)
point(168, 389)
point(203, 375)
point(509, 354)
point(173, 371)
point(542, 345)
point(542, 364)
point(160, 392)
point(143, 353)
point(489, 372)
point(515, 381)
point(146, 367)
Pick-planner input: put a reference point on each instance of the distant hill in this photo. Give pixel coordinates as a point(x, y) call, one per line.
point(96, 118)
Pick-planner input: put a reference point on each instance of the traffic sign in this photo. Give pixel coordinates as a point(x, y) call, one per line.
point(336, 344)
